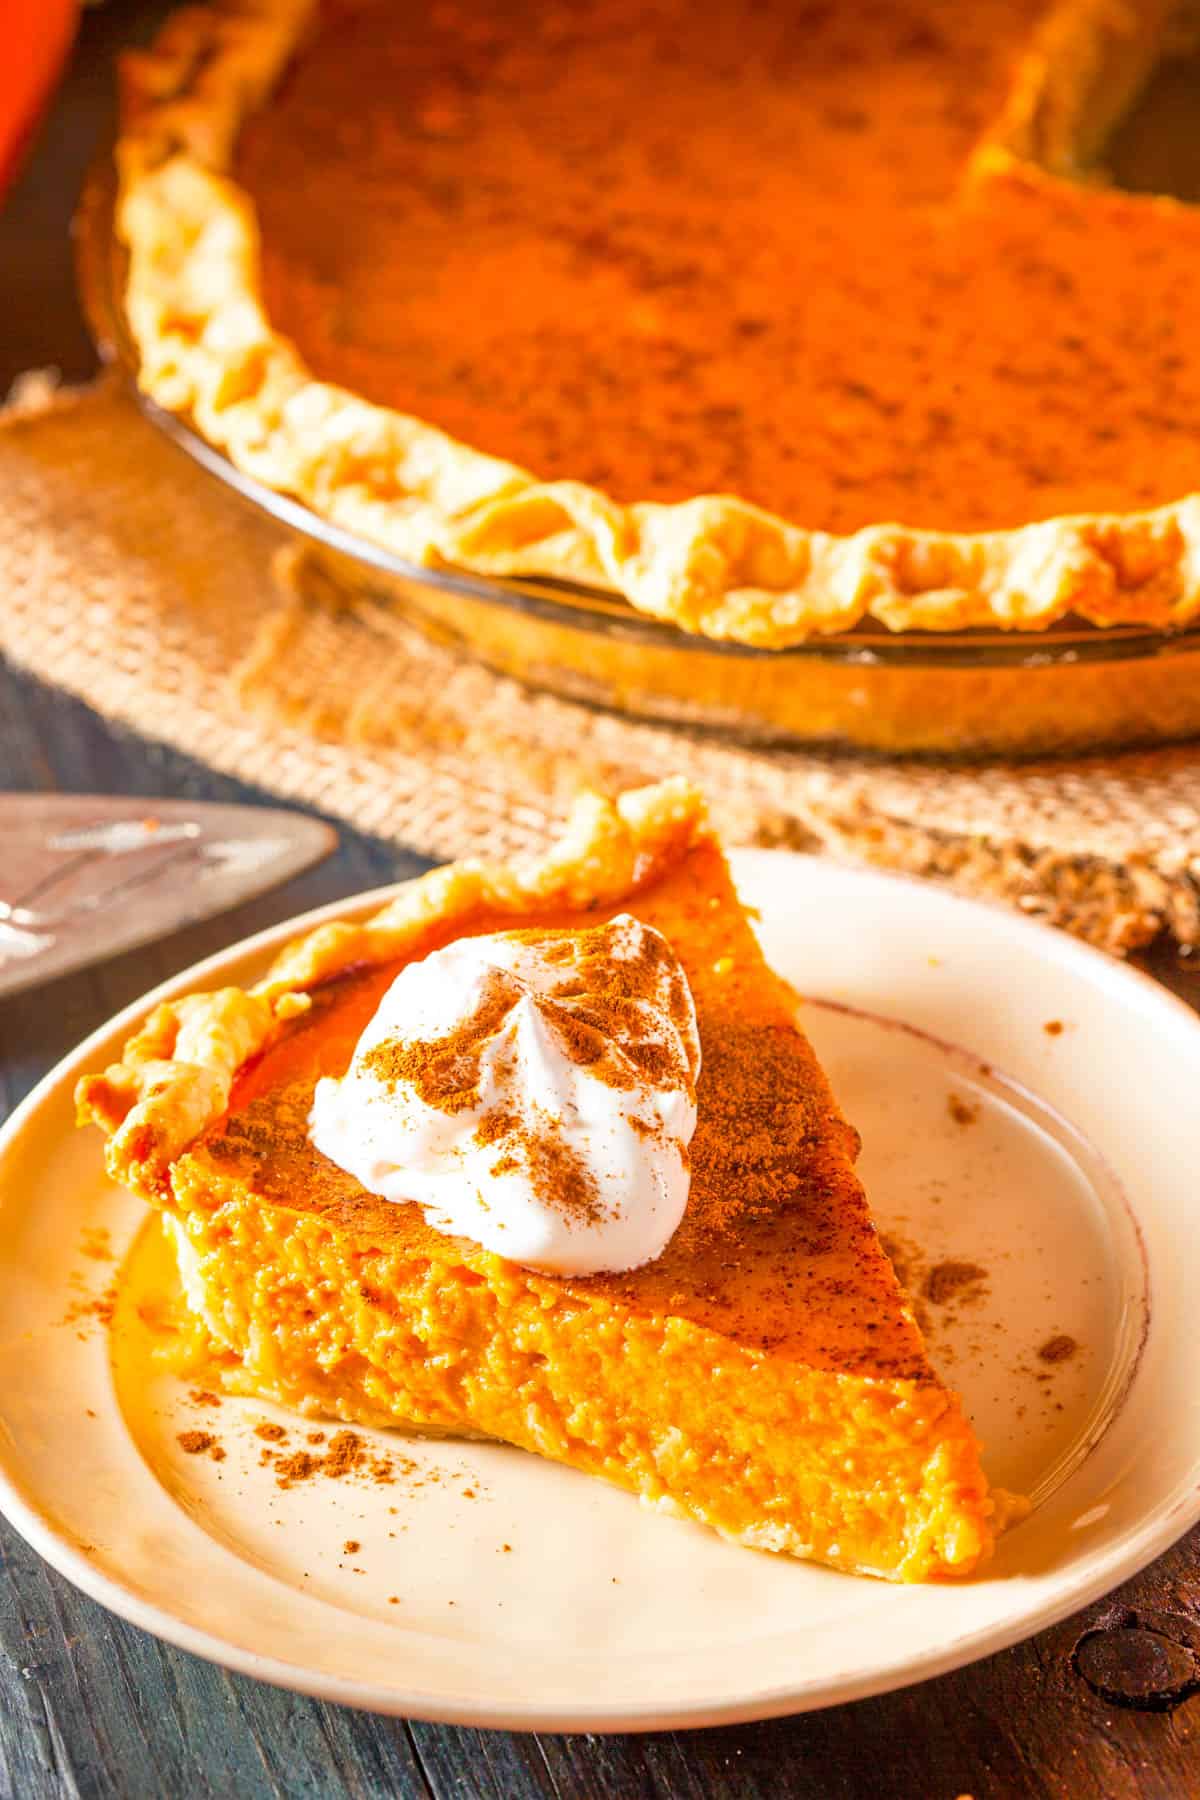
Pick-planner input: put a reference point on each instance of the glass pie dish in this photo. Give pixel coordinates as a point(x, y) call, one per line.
point(965, 693)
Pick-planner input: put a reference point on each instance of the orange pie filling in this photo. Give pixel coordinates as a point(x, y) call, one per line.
point(674, 248)
point(763, 1374)
point(768, 318)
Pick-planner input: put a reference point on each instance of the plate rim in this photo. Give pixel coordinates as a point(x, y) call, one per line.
point(1096, 1576)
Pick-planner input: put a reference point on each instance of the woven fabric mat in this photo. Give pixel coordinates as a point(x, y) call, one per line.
point(136, 581)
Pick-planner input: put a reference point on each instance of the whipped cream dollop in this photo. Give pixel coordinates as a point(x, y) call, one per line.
point(533, 1090)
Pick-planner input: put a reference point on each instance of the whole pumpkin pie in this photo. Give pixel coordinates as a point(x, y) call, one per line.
point(768, 316)
point(761, 1371)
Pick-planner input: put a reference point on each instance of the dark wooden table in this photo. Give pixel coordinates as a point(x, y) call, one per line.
point(1103, 1705)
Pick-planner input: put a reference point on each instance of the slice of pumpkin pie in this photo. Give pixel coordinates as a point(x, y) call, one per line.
point(542, 1154)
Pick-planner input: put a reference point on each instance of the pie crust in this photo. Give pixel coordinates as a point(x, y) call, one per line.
point(714, 564)
point(177, 1073)
point(764, 1374)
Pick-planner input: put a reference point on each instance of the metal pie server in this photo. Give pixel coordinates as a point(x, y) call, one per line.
point(83, 877)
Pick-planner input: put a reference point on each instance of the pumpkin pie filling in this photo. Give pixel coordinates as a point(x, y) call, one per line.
point(675, 249)
point(764, 1374)
point(753, 1201)
point(769, 319)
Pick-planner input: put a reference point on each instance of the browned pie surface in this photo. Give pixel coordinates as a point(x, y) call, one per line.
point(776, 1248)
point(676, 246)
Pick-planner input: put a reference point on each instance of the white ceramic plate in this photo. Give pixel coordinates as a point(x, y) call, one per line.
point(491, 1588)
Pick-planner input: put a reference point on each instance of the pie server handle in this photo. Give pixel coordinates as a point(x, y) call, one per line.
point(85, 876)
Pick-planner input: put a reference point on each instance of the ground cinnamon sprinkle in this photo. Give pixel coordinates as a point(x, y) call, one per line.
point(582, 1043)
point(947, 1279)
point(101, 1306)
point(908, 1260)
point(351, 1547)
point(901, 1256)
point(274, 1434)
point(1053, 1028)
point(1058, 1349)
point(201, 1443)
point(96, 1243)
point(444, 1072)
point(556, 1172)
point(595, 1008)
point(963, 1112)
point(603, 997)
point(495, 1125)
point(299, 1467)
point(347, 1454)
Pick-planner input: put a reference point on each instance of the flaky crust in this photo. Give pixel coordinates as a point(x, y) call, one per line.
point(176, 1073)
point(715, 564)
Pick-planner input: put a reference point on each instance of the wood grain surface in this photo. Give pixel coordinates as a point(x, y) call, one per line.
point(1103, 1706)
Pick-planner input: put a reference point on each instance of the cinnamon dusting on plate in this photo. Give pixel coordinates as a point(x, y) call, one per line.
point(95, 1307)
point(201, 1443)
point(348, 1454)
point(94, 1241)
point(908, 1260)
point(952, 1280)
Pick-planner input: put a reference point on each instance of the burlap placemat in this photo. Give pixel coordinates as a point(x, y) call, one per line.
point(133, 579)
